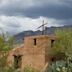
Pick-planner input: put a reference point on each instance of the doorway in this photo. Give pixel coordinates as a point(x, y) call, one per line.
point(17, 61)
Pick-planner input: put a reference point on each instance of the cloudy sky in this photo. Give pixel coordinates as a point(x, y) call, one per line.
point(22, 15)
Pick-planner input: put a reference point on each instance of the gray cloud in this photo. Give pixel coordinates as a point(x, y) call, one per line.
point(9, 21)
point(20, 14)
point(57, 12)
point(59, 9)
point(12, 23)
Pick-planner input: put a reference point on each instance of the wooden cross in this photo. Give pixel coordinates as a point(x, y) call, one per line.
point(43, 27)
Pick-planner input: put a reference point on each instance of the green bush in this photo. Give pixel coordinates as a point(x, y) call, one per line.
point(30, 69)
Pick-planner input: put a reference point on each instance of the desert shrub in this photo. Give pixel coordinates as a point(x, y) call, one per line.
point(30, 69)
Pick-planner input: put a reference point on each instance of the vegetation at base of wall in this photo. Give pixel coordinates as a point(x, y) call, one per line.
point(63, 44)
point(30, 69)
point(60, 66)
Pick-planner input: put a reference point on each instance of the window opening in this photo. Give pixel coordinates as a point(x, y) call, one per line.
point(35, 41)
point(52, 42)
point(17, 61)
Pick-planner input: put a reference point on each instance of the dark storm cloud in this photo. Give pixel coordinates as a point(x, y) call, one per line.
point(66, 22)
point(57, 12)
point(52, 10)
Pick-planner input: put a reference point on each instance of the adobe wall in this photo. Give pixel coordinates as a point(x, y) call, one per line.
point(35, 56)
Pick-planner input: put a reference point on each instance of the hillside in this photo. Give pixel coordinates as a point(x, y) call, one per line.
point(48, 31)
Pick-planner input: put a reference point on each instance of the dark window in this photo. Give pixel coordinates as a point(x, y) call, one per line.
point(35, 41)
point(17, 61)
point(52, 59)
point(52, 42)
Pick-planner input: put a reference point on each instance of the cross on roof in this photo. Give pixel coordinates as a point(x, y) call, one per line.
point(43, 27)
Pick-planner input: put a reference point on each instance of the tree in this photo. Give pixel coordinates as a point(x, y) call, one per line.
point(6, 44)
point(63, 44)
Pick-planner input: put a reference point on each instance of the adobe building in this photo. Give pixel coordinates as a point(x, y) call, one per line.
point(35, 52)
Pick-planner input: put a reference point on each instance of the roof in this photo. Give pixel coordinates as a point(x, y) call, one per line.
point(42, 36)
